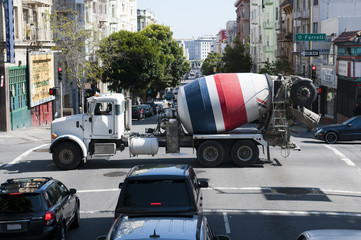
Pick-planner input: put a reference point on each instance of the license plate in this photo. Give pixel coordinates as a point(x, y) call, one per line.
point(13, 227)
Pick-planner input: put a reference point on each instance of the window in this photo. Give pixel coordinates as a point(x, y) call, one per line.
point(277, 13)
point(22, 203)
point(156, 194)
point(315, 27)
point(315, 2)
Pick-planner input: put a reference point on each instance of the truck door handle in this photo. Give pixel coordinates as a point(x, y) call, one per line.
point(110, 131)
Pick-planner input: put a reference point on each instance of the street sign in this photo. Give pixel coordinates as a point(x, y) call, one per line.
point(310, 37)
point(310, 53)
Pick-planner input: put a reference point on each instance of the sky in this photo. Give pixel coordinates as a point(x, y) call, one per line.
point(191, 18)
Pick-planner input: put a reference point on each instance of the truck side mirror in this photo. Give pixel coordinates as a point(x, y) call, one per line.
point(120, 185)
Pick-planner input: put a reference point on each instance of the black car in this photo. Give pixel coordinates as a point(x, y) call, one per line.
point(137, 113)
point(346, 131)
point(162, 227)
point(149, 189)
point(37, 208)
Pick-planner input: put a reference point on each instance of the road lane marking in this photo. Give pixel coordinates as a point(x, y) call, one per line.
point(22, 156)
point(226, 223)
point(265, 212)
point(343, 157)
point(98, 190)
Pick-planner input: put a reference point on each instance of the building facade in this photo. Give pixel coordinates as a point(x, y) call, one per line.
point(145, 17)
point(243, 20)
point(256, 35)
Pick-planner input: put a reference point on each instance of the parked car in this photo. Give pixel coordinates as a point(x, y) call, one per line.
point(330, 234)
point(137, 113)
point(37, 208)
point(148, 111)
point(162, 227)
point(346, 131)
point(149, 189)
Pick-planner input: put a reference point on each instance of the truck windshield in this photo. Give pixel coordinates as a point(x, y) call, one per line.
point(157, 194)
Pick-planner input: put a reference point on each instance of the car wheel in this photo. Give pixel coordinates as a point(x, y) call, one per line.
point(67, 156)
point(331, 137)
point(60, 232)
point(76, 219)
point(244, 153)
point(210, 153)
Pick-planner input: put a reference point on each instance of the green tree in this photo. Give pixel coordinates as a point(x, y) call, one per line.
point(171, 57)
point(211, 63)
point(71, 40)
point(236, 59)
point(281, 66)
point(135, 68)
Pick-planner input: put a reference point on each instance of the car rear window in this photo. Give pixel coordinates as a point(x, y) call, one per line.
point(156, 194)
point(20, 203)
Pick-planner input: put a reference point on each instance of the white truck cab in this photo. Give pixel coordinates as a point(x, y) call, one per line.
point(99, 131)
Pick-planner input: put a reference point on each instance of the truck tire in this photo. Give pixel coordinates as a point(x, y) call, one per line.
point(244, 153)
point(67, 156)
point(303, 93)
point(210, 153)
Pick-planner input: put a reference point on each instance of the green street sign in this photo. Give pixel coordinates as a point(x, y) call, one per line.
point(310, 37)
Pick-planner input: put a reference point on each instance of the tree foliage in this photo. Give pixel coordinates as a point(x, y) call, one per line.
point(211, 63)
point(236, 58)
point(281, 66)
point(151, 59)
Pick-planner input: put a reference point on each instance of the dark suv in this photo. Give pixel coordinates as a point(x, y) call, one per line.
point(149, 189)
point(37, 208)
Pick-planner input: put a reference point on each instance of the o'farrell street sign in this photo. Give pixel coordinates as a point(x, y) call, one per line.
point(310, 37)
point(310, 53)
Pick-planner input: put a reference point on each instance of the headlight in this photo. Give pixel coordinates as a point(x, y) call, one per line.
point(319, 131)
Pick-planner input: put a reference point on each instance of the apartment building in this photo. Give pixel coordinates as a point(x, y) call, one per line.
point(145, 17)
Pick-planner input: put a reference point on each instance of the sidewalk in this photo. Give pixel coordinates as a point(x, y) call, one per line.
point(26, 135)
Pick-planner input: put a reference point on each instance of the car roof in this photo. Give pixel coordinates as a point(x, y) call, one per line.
point(149, 170)
point(23, 185)
point(159, 227)
point(333, 234)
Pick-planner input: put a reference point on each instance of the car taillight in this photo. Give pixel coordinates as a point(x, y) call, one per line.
point(155, 204)
point(49, 218)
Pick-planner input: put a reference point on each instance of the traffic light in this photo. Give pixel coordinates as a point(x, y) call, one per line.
point(313, 74)
point(60, 74)
point(52, 91)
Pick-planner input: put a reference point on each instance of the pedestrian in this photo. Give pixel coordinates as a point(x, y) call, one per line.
point(357, 110)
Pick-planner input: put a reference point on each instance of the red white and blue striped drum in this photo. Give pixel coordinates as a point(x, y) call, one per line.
point(222, 102)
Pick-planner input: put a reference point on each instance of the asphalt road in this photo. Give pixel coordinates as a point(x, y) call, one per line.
point(317, 187)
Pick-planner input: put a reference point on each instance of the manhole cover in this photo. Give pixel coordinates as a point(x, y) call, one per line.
point(114, 174)
point(293, 191)
point(42, 150)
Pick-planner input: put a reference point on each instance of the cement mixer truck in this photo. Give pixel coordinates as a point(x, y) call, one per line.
point(210, 116)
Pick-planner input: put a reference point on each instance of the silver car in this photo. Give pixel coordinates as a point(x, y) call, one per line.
point(331, 234)
point(181, 227)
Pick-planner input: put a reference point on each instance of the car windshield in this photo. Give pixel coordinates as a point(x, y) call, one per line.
point(20, 203)
point(149, 194)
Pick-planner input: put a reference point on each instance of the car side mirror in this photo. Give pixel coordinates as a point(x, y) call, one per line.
point(102, 238)
point(202, 184)
point(72, 191)
point(222, 237)
point(120, 185)
point(349, 125)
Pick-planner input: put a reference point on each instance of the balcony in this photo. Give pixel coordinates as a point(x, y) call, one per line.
point(268, 25)
point(268, 49)
point(39, 3)
point(268, 2)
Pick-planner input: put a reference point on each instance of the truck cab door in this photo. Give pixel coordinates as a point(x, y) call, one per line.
point(103, 119)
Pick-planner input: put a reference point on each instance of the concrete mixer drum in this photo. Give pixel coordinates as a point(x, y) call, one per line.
point(303, 92)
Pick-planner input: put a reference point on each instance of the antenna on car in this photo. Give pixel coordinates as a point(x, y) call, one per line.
point(154, 235)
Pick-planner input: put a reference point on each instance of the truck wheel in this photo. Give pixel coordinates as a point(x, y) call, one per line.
point(244, 153)
point(67, 156)
point(303, 93)
point(210, 153)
